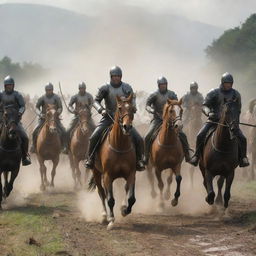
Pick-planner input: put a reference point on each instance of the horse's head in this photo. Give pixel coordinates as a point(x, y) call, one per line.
point(125, 112)
point(51, 116)
point(169, 113)
point(10, 120)
point(84, 115)
point(230, 117)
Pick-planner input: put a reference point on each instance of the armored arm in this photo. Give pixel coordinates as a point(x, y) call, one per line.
point(21, 103)
point(149, 103)
point(59, 105)
point(102, 93)
point(71, 103)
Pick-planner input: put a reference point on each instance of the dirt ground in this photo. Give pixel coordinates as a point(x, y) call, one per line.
point(190, 229)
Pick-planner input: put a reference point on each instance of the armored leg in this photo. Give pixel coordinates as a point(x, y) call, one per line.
point(139, 147)
point(95, 139)
point(35, 134)
point(185, 145)
point(200, 143)
point(24, 146)
point(243, 160)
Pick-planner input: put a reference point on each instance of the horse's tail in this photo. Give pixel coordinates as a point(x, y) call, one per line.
point(91, 184)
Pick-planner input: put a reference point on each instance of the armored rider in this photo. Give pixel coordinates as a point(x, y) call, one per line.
point(212, 108)
point(11, 97)
point(109, 92)
point(154, 105)
point(48, 98)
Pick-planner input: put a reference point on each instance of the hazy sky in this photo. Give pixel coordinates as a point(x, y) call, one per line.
point(223, 13)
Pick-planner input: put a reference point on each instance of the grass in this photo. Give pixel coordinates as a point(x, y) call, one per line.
point(17, 226)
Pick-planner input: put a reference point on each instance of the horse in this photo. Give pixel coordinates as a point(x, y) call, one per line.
point(116, 158)
point(193, 124)
point(48, 145)
point(10, 150)
point(220, 156)
point(79, 142)
point(167, 153)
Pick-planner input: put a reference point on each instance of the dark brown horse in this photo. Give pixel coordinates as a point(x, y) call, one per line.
point(116, 158)
point(48, 145)
point(167, 153)
point(10, 150)
point(79, 142)
point(220, 155)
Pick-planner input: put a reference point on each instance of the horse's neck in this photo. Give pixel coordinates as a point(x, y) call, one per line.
point(167, 136)
point(47, 135)
point(117, 139)
point(222, 136)
point(6, 142)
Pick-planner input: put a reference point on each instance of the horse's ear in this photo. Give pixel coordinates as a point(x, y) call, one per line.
point(130, 97)
point(169, 101)
point(118, 98)
point(180, 102)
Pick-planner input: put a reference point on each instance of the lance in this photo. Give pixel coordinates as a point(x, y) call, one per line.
point(64, 99)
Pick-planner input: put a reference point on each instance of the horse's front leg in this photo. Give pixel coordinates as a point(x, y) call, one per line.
point(78, 173)
point(71, 160)
point(130, 195)
point(53, 173)
point(220, 183)
point(108, 185)
point(151, 179)
point(14, 174)
point(229, 181)
point(5, 184)
point(169, 182)
point(42, 169)
point(178, 181)
point(97, 179)
point(160, 186)
point(210, 192)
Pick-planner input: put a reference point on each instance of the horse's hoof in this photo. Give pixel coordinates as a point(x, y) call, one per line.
point(47, 184)
point(167, 195)
point(153, 194)
point(125, 211)
point(219, 201)
point(174, 202)
point(42, 187)
point(110, 225)
point(210, 198)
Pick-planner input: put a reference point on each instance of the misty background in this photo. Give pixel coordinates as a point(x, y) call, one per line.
point(80, 40)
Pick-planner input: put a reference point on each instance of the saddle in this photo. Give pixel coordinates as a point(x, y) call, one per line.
point(154, 135)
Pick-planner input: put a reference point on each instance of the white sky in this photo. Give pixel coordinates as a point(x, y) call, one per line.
point(222, 13)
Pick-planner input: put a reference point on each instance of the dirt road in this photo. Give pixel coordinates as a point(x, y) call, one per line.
point(62, 222)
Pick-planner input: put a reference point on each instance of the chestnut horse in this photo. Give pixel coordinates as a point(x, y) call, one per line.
point(116, 158)
point(10, 150)
point(48, 145)
point(220, 155)
point(79, 142)
point(167, 152)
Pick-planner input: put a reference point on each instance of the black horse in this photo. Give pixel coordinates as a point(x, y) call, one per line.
point(220, 154)
point(10, 150)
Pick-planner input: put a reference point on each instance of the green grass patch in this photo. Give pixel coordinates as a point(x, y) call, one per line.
point(19, 225)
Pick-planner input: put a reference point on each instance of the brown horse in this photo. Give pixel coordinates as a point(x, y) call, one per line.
point(79, 142)
point(48, 145)
point(193, 125)
point(220, 156)
point(167, 152)
point(116, 158)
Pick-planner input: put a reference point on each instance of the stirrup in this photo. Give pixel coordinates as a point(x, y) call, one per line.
point(244, 162)
point(89, 164)
point(140, 166)
point(194, 160)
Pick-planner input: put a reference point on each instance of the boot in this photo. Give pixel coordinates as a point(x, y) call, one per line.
point(187, 151)
point(26, 160)
point(89, 162)
point(147, 151)
point(244, 162)
point(195, 159)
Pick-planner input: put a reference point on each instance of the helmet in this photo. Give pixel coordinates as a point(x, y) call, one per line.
point(194, 85)
point(162, 80)
point(82, 85)
point(227, 78)
point(49, 86)
point(9, 80)
point(115, 71)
